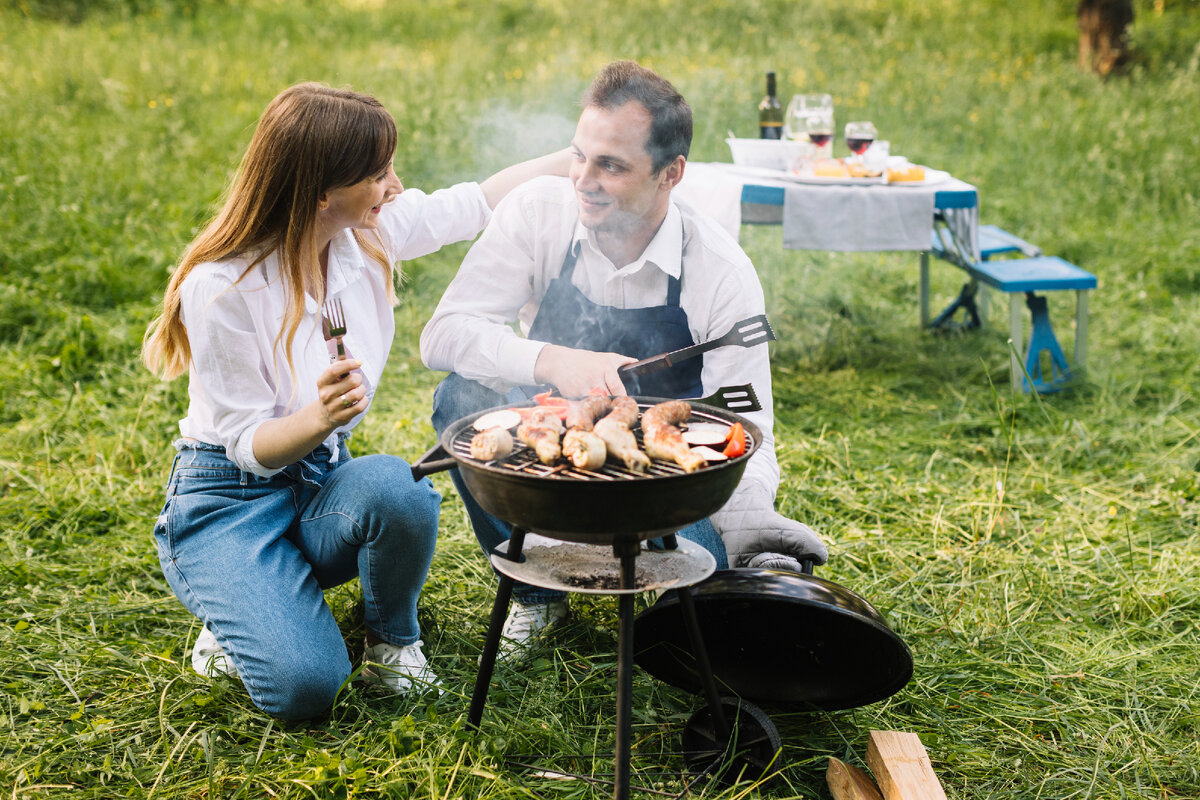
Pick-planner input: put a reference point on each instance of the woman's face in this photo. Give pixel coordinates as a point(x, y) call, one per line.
point(358, 205)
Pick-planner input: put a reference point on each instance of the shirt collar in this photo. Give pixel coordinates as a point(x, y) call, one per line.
point(345, 262)
point(665, 250)
point(345, 265)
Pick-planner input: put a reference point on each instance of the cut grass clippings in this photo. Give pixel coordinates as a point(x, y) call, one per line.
point(1039, 555)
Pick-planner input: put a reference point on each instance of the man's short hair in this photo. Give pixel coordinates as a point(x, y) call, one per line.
point(670, 115)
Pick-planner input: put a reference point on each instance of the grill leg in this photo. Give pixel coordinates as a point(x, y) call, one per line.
point(700, 653)
point(628, 554)
point(487, 661)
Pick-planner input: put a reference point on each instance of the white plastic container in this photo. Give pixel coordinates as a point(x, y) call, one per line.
point(781, 154)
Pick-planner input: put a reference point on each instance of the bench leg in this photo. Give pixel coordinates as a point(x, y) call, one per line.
point(1042, 340)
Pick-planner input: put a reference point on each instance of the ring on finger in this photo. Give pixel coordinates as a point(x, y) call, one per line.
point(346, 402)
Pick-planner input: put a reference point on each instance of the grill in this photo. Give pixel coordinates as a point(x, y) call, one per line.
point(601, 507)
point(618, 507)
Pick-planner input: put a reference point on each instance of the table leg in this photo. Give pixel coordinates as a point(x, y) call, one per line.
point(1081, 324)
point(1017, 348)
point(924, 299)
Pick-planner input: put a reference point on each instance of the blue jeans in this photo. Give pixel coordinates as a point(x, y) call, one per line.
point(455, 398)
point(251, 556)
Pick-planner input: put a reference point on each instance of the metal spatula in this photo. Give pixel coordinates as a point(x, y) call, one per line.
point(739, 399)
point(747, 333)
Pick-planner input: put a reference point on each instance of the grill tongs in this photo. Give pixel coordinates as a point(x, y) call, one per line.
point(740, 399)
point(747, 333)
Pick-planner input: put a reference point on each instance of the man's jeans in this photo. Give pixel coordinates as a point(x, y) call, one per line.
point(250, 557)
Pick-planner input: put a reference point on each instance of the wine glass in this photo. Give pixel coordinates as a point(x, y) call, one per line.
point(859, 136)
point(802, 109)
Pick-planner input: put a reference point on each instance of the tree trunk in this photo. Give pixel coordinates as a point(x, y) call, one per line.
point(1103, 33)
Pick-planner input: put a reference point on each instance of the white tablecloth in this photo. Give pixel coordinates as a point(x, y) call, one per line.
point(834, 217)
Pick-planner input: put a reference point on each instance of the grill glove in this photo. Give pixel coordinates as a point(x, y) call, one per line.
point(755, 535)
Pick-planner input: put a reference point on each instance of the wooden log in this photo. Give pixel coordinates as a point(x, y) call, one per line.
point(902, 767)
point(848, 782)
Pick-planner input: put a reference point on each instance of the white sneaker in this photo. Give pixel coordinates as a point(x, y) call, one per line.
point(525, 623)
point(401, 669)
point(209, 658)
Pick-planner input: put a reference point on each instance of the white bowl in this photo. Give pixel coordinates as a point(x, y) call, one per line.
point(781, 154)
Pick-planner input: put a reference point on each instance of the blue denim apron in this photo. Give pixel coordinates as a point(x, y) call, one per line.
point(567, 318)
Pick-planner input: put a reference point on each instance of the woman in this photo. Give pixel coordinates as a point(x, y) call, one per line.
point(265, 507)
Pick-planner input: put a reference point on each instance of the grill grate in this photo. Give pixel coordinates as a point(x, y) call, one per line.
point(523, 460)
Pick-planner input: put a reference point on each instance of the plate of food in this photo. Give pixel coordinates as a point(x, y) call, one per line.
point(838, 171)
point(907, 174)
point(823, 171)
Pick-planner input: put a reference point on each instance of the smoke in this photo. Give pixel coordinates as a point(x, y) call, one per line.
point(505, 135)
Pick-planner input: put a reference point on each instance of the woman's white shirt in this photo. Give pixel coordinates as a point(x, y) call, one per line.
point(241, 379)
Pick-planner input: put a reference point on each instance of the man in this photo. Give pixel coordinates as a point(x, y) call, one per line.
point(601, 269)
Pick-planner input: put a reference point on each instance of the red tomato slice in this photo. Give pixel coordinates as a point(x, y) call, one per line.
point(737, 441)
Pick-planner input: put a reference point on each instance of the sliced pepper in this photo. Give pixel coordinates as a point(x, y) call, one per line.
point(559, 404)
point(736, 441)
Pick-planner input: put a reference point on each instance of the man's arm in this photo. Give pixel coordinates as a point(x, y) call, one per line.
point(499, 185)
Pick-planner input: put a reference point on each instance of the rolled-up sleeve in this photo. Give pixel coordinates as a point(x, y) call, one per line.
point(471, 331)
point(417, 223)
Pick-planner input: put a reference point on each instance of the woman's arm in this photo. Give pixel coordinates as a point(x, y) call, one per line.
point(498, 185)
point(285, 440)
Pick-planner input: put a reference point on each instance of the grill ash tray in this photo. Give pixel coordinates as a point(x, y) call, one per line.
point(593, 569)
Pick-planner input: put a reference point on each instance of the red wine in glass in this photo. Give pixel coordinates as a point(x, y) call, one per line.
point(858, 146)
point(820, 139)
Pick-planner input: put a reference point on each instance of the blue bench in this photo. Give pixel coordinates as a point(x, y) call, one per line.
point(1045, 367)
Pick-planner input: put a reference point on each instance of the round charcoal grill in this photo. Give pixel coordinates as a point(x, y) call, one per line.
point(618, 507)
point(594, 507)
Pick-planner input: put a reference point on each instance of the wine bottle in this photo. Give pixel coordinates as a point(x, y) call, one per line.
point(770, 114)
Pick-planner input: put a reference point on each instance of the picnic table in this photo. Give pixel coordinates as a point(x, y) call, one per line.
point(851, 215)
point(939, 216)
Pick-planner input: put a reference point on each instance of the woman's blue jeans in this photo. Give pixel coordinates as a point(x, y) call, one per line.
point(251, 556)
point(455, 398)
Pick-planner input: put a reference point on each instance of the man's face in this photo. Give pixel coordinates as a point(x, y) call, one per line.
point(618, 192)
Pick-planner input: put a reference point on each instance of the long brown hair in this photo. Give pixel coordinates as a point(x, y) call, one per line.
point(311, 138)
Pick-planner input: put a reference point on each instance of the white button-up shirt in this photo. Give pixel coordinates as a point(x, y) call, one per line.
point(506, 273)
point(240, 377)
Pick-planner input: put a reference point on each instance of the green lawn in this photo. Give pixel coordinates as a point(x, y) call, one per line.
point(1038, 554)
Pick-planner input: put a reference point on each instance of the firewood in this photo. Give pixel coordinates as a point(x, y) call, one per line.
point(848, 782)
point(902, 767)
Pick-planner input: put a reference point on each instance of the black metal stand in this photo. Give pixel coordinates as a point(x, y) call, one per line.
point(627, 553)
point(487, 661)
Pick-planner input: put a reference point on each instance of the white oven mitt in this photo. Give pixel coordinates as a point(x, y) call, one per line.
point(755, 535)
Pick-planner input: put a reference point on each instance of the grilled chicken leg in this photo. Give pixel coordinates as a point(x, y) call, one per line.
point(664, 440)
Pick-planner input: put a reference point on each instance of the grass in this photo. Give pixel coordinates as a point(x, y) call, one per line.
point(1038, 554)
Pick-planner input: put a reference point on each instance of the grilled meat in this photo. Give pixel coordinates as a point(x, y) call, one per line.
point(585, 449)
point(542, 430)
point(621, 443)
point(582, 414)
point(491, 444)
point(624, 411)
point(671, 412)
point(664, 440)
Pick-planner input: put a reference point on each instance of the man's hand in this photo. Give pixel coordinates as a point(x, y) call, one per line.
point(576, 373)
